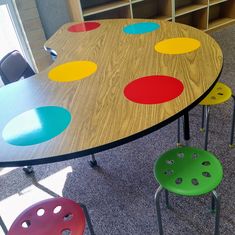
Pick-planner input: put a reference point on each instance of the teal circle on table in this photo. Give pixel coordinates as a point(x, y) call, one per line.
point(36, 125)
point(141, 28)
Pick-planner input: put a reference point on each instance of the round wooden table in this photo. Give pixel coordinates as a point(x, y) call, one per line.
point(102, 117)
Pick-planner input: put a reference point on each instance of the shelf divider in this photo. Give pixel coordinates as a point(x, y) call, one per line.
point(220, 22)
point(105, 7)
point(214, 2)
point(188, 9)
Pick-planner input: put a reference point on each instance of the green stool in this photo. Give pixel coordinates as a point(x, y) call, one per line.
point(188, 171)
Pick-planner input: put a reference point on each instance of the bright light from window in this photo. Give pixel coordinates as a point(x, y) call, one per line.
point(6, 170)
point(8, 38)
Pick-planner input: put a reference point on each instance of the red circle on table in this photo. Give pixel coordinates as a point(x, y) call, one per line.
point(153, 89)
point(83, 27)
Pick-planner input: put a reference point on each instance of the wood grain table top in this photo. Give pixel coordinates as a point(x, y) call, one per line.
point(102, 117)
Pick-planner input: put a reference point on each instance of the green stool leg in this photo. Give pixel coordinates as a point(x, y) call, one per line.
point(217, 215)
point(232, 129)
point(207, 126)
point(157, 202)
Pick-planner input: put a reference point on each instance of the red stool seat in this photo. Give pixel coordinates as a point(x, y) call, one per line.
point(54, 216)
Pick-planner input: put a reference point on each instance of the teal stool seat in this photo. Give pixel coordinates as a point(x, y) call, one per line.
point(188, 171)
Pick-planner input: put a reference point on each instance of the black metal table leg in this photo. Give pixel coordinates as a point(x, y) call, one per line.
point(28, 170)
point(186, 128)
point(203, 118)
point(231, 145)
point(93, 162)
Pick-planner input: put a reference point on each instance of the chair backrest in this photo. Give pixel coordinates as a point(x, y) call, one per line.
point(13, 66)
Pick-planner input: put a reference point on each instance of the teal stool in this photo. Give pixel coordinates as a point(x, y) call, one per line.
point(188, 171)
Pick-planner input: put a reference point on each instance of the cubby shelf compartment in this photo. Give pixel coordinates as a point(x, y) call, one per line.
point(136, 1)
point(121, 12)
point(188, 9)
point(105, 7)
point(220, 22)
point(197, 19)
point(162, 17)
point(221, 14)
point(214, 2)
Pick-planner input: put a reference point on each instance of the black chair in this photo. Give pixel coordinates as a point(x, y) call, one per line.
point(13, 67)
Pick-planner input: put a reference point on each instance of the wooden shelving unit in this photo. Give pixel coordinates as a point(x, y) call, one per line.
point(202, 14)
point(213, 2)
point(221, 14)
point(197, 19)
point(189, 9)
point(136, 1)
point(105, 7)
point(120, 12)
point(220, 22)
point(162, 17)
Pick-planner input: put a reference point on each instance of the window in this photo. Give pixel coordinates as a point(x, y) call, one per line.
point(11, 36)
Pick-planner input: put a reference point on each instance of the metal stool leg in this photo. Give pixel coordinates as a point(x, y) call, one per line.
point(93, 162)
point(157, 202)
point(203, 118)
point(2, 224)
point(217, 215)
point(88, 220)
point(207, 126)
point(212, 203)
point(231, 145)
point(167, 199)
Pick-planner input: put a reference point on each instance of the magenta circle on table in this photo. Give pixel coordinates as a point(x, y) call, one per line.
point(153, 89)
point(83, 27)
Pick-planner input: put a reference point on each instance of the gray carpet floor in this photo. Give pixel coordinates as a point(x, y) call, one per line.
point(119, 193)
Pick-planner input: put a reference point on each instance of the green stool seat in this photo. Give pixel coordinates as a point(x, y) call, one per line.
point(188, 171)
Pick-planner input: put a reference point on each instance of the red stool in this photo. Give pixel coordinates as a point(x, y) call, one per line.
point(55, 216)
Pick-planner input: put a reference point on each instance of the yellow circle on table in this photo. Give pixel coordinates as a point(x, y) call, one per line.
point(72, 71)
point(175, 46)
